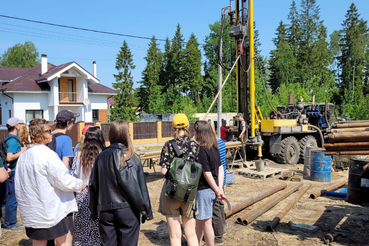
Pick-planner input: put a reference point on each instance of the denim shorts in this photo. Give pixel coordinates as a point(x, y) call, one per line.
point(205, 204)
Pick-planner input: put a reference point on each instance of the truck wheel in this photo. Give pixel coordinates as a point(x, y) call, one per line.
point(290, 151)
point(307, 141)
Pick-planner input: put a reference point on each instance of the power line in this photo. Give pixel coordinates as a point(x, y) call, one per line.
point(83, 29)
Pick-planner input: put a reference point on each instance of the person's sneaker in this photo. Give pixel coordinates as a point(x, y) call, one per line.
point(17, 227)
point(218, 241)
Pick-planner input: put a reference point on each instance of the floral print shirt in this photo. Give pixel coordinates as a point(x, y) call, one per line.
point(187, 146)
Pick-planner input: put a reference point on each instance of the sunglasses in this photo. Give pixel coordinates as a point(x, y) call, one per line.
point(48, 131)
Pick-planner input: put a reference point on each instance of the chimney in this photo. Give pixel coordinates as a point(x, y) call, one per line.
point(43, 63)
point(95, 71)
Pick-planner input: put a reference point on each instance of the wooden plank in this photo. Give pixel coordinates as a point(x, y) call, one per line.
point(267, 172)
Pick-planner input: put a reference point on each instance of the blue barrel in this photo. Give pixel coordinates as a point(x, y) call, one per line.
point(320, 166)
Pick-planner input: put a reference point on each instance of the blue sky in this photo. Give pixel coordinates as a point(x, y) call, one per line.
point(141, 18)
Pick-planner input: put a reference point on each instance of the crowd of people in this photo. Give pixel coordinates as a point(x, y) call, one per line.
point(97, 195)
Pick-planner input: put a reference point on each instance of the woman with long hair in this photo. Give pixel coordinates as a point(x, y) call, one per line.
point(171, 208)
point(86, 230)
point(211, 181)
point(23, 135)
point(44, 190)
point(118, 191)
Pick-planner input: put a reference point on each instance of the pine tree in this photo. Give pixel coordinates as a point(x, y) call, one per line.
point(294, 30)
point(174, 72)
point(354, 49)
point(123, 101)
point(282, 61)
point(193, 80)
point(150, 90)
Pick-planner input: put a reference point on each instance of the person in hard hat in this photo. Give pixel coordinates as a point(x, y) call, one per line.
point(174, 209)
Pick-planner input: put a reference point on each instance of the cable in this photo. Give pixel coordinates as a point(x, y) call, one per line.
point(83, 29)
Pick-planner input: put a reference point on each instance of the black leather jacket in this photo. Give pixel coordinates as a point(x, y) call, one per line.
point(113, 188)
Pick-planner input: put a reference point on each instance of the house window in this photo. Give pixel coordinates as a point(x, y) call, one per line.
point(34, 114)
point(95, 115)
point(71, 90)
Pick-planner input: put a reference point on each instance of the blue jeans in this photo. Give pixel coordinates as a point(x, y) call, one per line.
point(10, 218)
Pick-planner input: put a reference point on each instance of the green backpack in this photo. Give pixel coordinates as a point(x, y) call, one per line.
point(183, 177)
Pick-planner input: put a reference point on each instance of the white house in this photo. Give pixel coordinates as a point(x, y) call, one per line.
point(44, 90)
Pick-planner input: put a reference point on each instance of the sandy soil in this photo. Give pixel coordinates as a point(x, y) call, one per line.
point(330, 214)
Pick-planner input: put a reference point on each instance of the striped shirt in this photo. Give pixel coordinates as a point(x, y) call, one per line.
point(222, 152)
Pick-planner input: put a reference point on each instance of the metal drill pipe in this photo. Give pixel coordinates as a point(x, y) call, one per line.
point(329, 188)
point(250, 216)
point(351, 125)
point(239, 206)
point(289, 206)
point(358, 129)
point(347, 146)
point(349, 136)
point(353, 121)
point(348, 152)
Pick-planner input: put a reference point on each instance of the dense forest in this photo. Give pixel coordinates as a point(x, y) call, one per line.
point(306, 61)
point(183, 76)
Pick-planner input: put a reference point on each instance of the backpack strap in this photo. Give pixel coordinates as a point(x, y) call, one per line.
point(11, 137)
point(175, 147)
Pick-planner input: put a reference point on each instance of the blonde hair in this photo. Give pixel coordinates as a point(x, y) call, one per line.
point(37, 128)
point(81, 141)
point(119, 133)
point(178, 130)
point(23, 135)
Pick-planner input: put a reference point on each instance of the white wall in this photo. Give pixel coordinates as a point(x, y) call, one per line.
point(31, 101)
point(97, 102)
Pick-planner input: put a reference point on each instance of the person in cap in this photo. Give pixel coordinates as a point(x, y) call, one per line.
point(14, 150)
point(64, 123)
point(174, 209)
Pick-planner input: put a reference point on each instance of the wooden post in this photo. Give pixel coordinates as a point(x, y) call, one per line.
point(130, 126)
point(158, 132)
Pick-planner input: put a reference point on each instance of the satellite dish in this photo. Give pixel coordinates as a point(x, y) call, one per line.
point(86, 101)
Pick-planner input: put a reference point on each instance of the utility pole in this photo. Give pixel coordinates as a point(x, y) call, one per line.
point(220, 80)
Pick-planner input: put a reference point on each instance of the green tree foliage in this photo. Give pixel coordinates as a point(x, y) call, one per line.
point(210, 86)
point(192, 77)
point(123, 101)
point(282, 63)
point(20, 55)
point(150, 89)
point(354, 49)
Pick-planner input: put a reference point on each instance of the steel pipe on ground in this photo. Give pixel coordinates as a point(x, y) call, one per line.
point(348, 136)
point(351, 125)
point(238, 207)
point(289, 206)
point(250, 216)
point(359, 129)
point(329, 188)
point(347, 146)
point(348, 152)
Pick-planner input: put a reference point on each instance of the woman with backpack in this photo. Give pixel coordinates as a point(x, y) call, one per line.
point(172, 208)
point(118, 191)
point(211, 180)
point(86, 230)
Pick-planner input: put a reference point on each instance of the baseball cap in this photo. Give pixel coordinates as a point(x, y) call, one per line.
point(240, 114)
point(66, 115)
point(180, 121)
point(14, 121)
point(84, 130)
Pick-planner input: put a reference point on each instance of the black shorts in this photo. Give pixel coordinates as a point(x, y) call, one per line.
point(51, 233)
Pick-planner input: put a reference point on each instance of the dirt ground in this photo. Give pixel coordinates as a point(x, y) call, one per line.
point(329, 214)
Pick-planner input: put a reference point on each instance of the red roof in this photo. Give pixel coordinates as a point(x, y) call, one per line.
point(10, 73)
point(99, 88)
point(29, 79)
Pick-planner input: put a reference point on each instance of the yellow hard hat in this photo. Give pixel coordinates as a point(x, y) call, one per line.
point(180, 121)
